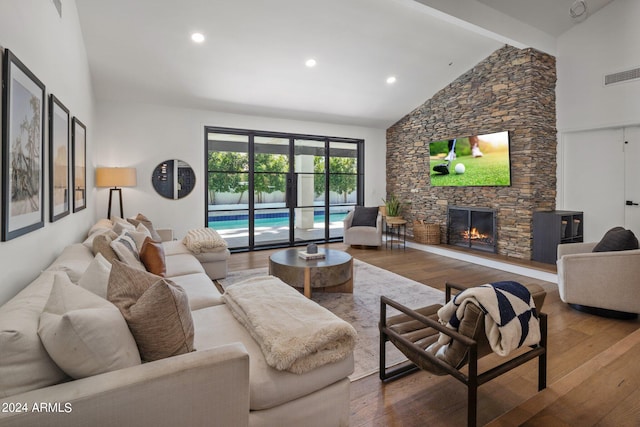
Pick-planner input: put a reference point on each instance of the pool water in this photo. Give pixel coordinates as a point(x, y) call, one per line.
point(268, 220)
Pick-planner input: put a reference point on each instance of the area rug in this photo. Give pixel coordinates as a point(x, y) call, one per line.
point(362, 308)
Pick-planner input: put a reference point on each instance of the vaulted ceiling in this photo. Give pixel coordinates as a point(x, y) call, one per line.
point(549, 16)
point(252, 60)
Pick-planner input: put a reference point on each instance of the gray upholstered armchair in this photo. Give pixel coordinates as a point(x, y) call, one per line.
point(604, 283)
point(363, 226)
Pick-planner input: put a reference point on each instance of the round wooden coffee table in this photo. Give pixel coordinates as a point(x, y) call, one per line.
point(333, 273)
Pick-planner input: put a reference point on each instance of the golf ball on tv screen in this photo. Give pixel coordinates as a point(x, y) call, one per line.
point(459, 168)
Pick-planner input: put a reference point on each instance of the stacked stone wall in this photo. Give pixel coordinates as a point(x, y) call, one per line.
point(511, 90)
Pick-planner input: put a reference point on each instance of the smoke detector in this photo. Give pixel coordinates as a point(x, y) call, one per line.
point(578, 11)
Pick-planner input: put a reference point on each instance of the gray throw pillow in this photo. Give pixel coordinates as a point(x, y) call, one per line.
point(617, 239)
point(365, 217)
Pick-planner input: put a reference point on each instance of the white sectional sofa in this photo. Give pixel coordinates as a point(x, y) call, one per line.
point(224, 382)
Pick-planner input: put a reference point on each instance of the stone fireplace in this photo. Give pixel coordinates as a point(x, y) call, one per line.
point(512, 90)
point(473, 228)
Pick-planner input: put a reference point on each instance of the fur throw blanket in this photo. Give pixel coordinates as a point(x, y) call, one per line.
point(294, 333)
point(200, 240)
point(511, 320)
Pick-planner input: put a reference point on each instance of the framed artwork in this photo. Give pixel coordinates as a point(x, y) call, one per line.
point(59, 133)
point(79, 169)
point(23, 111)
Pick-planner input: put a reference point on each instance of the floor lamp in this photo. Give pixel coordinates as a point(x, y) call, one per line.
point(115, 178)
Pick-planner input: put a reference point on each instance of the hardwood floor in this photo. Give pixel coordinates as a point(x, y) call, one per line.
point(592, 379)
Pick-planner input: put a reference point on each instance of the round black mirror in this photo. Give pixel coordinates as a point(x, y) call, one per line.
point(173, 179)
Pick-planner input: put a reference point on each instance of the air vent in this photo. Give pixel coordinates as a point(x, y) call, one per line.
point(623, 76)
point(58, 5)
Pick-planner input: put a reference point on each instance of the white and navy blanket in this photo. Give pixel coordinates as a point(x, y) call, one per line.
point(511, 320)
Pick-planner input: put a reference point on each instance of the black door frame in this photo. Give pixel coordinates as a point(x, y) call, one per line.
point(291, 189)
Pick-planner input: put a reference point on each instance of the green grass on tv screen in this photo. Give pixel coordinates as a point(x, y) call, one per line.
point(490, 168)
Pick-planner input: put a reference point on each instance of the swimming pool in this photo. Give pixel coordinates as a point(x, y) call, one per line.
point(277, 219)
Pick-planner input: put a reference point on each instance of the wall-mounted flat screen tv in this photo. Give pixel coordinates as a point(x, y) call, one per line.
point(478, 160)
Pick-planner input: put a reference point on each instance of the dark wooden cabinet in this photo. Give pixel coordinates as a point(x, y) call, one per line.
point(552, 228)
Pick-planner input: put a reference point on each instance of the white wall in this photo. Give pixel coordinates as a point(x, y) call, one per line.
point(605, 43)
point(596, 182)
point(53, 49)
point(143, 135)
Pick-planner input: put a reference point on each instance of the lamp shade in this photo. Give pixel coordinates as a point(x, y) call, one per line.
point(115, 177)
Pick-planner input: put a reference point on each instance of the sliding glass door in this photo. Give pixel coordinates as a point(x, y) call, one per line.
point(309, 190)
point(228, 186)
point(271, 213)
point(271, 189)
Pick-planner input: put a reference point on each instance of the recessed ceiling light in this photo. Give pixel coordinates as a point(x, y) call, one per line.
point(391, 80)
point(197, 37)
point(310, 63)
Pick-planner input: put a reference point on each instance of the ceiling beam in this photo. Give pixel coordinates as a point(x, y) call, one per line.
point(486, 21)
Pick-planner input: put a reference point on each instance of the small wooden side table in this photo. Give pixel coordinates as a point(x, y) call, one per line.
point(398, 228)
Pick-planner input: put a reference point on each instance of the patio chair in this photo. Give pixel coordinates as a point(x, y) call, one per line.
point(413, 331)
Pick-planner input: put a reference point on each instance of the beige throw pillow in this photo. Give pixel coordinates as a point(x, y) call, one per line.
point(102, 245)
point(141, 219)
point(156, 310)
point(121, 225)
point(88, 242)
point(96, 277)
point(84, 334)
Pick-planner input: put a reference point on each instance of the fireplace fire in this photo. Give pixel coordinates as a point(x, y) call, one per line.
point(472, 228)
point(474, 234)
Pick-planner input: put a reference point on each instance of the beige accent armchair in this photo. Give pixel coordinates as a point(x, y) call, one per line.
point(366, 236)
point(601, 280)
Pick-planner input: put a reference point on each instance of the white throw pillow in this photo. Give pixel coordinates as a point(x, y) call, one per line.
point(100, 225)
point(84, 334)
point(127, 251)
point(96, 277)
point(24, 362)
point(139, 235)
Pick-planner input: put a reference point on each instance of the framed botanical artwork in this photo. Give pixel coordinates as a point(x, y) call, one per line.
point(79, 168)
point(23, 111)
point(59, 146)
